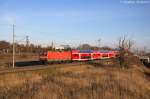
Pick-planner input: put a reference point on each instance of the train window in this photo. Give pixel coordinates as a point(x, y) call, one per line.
point(94, 55)
point(105, 55)
point(75, 55)
point(85, 57)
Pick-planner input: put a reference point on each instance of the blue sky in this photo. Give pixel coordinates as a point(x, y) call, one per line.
point(75, 21)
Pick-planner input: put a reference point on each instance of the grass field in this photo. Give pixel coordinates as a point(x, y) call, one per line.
point(6, 59)
point(84, 81)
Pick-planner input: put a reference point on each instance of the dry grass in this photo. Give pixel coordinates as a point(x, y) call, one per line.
point(84, 81)
point(6, 59)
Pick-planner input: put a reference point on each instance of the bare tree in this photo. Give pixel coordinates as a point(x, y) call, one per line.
point(4, 47)
point(84, 47)
point(124, 46)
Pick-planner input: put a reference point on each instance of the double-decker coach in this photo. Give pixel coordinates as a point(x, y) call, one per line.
point(96, 55)
point(81, 55)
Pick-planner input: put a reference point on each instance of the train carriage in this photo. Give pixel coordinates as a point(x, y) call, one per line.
point(104, 54)
point(81, 55)
point(96, 55)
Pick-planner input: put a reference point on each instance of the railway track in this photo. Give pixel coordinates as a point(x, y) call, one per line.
point(38, 67)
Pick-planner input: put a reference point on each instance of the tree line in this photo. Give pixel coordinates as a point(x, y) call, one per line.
point(6, 47)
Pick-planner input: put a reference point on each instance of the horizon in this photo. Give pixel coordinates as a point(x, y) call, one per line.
point(74, 22)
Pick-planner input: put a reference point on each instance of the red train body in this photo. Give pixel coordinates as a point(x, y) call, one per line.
point(56, 56)
point(76, 55)
point(80, 55)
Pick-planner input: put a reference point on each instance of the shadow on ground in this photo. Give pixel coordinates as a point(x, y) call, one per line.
point(147, 65)
point(28, 63)
point(95, 64)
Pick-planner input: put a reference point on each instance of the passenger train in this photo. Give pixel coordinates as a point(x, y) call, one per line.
point(76, 55)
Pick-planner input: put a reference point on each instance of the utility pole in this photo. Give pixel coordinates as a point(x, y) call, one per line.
point(13, 46)
point(27, 43)
point(99, 43)
point(52, 45)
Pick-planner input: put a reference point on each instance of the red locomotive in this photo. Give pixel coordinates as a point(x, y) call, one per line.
point(76, 55)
